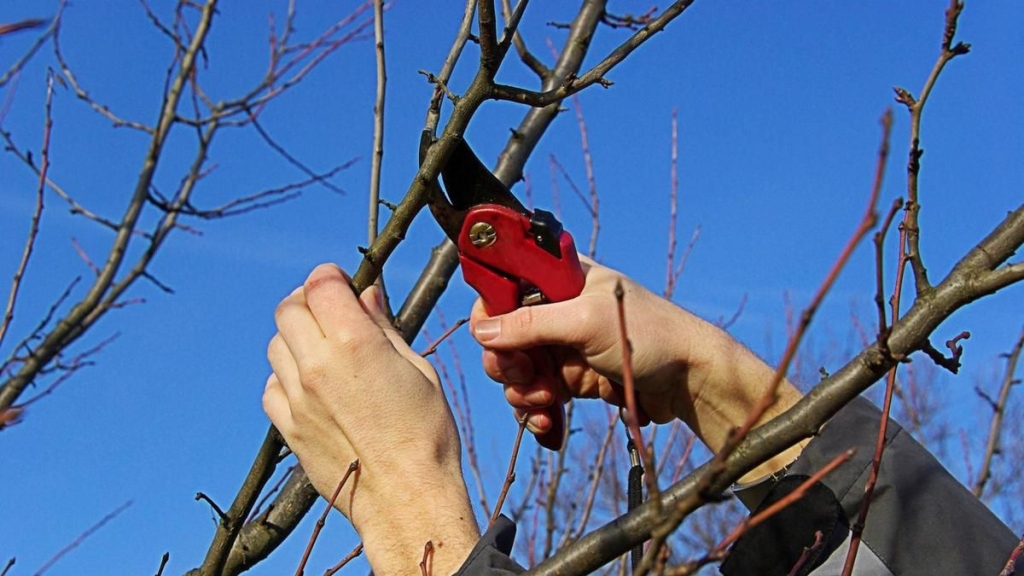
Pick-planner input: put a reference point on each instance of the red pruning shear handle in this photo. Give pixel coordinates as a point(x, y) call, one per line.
point(504, 261)
point(511, 256)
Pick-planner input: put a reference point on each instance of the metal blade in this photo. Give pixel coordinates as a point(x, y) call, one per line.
point(469, 183)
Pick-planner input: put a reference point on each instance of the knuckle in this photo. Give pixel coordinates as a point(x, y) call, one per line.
point(313, 375)
point(522, 320)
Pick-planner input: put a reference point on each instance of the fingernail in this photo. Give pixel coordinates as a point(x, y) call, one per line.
point(487, 330)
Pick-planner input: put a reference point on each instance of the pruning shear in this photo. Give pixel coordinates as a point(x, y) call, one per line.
point(511, 256)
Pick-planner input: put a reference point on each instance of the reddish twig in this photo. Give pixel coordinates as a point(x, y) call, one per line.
point(348, 558)
point(785, 501)
point(427, 563)
point(879, 240)
point(10, 417)
point(81, 538)
point(1010, 568)
point(322, 520)
point(632, 410)
point(806, 554)
point(510, 475)
point(462, 412)
point(595, 481)
point(952, 363)
point(433, 345)
point(719, 552)
point(867, 222)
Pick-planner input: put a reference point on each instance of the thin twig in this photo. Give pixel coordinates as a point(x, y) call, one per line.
point(673, 199)
point(525, 55)
point(163, 563)
point(807, 553)
point(596, 74)
point(433, 345)
point(632, 410)
point(916, 107)
point(998, 412)
point(213, 505)
point(427, 563)
point(269, 493)
point(1010, 568)
point(37, 212)
point(510, 475)
point(348, 558)
point(81, 538)
point(322, 520)
point(378, 120)
point(879, 240)
point(51, 31)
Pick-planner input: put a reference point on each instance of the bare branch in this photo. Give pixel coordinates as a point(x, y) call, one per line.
point(916, 108)
point(596, 74)
point(510, 475)
point(998, 412)
point(37, 213)
point(378, 120)
point(525, 55)
point(348, 558)
point(51, 31)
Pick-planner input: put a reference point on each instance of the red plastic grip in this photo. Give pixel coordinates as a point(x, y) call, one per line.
point(506, 269)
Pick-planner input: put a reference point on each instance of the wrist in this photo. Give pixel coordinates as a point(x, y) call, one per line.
point(727, 383)
point(436, 510)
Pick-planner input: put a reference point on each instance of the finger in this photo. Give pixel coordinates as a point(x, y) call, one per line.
point(296, 325)
point(283, 364)
point(533, 326)
point(276, 405)
point(333, 304)
point(530, 396)
point(508, 367)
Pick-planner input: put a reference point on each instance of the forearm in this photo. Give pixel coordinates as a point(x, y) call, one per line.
point(437, 517)
point(724, 387)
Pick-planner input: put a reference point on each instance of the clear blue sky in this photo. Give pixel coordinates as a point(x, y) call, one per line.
point(778, 106)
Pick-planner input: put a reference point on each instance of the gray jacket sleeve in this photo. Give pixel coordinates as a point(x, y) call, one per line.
point(922, 521)
point(490, 556)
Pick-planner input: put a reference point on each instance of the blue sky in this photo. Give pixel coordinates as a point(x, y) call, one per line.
point(778, 107)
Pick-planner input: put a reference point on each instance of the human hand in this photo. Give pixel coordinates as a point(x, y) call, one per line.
point(345, 386)
point(683, 366)
point(583, 350)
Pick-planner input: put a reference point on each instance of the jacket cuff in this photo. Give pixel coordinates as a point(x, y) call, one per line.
point(491, 555)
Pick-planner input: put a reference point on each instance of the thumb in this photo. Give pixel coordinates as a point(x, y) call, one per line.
point(530, 326)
